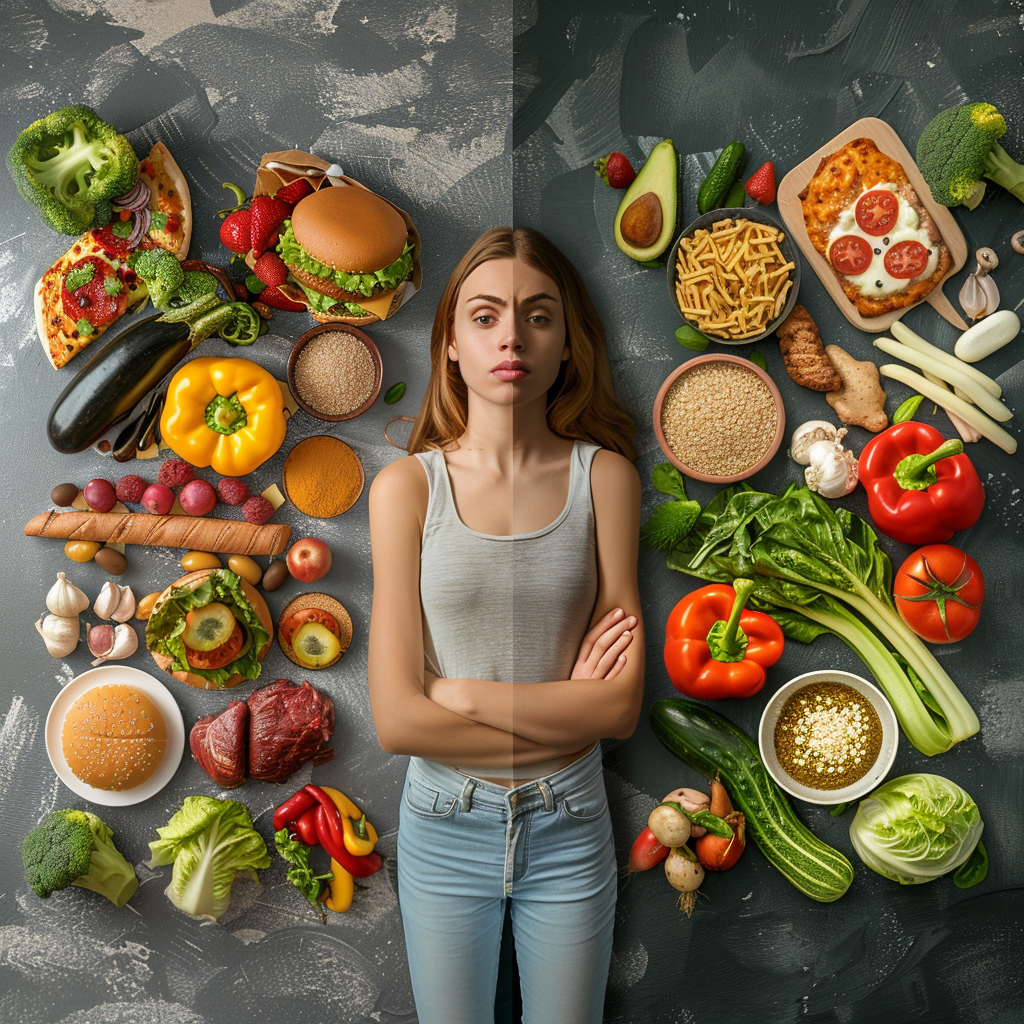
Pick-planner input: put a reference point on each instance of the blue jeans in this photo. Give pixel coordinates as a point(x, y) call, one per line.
point(465, 846)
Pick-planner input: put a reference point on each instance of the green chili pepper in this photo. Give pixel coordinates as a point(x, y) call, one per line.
point(907, 409)
point(244, 329)
point(240, 196)
point(690, 337)
point(394, 393)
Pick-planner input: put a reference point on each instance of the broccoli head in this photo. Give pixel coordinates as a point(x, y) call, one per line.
point(958, 147)
point(70, 847)
point(70, 165)
point(161, 271)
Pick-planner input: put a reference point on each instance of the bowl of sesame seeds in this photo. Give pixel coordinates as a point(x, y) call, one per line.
point(719, 418)
point(828, 737)
point(334, 372)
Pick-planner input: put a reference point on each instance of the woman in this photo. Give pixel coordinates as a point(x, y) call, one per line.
point(505, 638)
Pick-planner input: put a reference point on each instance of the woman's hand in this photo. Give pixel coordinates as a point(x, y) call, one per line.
point(602, 653)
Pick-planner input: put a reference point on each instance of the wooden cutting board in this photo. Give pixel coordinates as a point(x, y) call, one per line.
point(885, 137)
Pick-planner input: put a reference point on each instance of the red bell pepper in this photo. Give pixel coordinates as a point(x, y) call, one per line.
point(715, 647)
point(921, 488)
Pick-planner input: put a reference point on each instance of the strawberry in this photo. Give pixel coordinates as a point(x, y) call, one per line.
point(271, 269)
point(267, 214)
point(235, 231)
point(761, 184)
point(615, 170)
point(294, 191)
point(273, 296)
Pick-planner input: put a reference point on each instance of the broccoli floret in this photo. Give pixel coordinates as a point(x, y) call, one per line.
point(196, 285)
point(161, 272)
point(70, 847)
point(69, 165)
point(958, 147)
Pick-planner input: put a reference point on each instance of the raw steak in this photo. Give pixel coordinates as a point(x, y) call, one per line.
point(288, 723)
point(218, 744)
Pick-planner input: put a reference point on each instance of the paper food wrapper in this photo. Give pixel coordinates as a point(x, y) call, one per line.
point(277, 169)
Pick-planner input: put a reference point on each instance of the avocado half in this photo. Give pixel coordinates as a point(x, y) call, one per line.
point(646, 219)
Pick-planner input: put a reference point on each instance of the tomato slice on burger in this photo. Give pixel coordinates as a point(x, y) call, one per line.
point(220, 656)
point(906, 259)
point(877, 211)
point(92, 300)
point(938, 591)
point(291, 625)
point(850, 255)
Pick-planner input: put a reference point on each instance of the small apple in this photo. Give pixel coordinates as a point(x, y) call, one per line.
point(158, 499)
point(309, 559)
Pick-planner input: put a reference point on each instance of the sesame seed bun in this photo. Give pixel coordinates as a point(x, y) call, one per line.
point(349, 229)
point(114, 737)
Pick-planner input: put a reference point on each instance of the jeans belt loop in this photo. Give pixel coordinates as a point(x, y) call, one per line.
point(466, 801)
point(545, 792)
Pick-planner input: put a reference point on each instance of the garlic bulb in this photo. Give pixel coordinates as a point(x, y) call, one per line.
point(833, 469)
point(65, 599)
point(60, 633)
point(979, 295)
point(115, 602)
point(805, 435)
point(112, 643)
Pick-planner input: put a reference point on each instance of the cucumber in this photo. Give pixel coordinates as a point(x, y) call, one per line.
point(720, 177)
point(736, 196)
point(712, 745)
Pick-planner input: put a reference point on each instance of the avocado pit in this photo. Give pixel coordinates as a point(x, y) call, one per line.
point(642, 221)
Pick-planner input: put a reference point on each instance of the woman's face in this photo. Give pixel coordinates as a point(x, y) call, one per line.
point(509, 332)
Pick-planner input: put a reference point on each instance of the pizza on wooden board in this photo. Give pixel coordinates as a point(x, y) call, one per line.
point(863, 215)
point(91, 285)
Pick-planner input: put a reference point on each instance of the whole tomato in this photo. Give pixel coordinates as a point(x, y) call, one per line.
point(939, 590)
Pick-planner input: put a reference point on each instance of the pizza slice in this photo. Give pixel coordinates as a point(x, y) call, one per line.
point(91, 285)
point(863, 215)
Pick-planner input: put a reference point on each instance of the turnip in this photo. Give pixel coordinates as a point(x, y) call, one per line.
point(684, 872)
point(670, 826)
point(691, 800)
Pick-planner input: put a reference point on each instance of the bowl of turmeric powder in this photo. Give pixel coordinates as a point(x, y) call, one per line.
point(322, 477)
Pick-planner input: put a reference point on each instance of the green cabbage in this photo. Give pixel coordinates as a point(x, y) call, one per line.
point(165, 626)
point(916, 828)
point(208, 841)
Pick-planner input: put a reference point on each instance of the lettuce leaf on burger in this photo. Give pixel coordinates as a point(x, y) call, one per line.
point(210, 629)
point(344, 245)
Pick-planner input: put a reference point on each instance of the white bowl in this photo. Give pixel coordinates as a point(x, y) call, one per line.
point(125, 675)
point(867, 782)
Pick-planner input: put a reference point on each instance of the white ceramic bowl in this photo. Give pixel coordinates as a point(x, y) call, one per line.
point(867, 782)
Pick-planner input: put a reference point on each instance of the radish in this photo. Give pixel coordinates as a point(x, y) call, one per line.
point(684, 872)
point(718, 854)
point(646, 852)
point(670, 826)
point(691, 800)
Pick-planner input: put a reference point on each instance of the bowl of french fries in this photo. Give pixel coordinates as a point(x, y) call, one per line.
point(733, 275)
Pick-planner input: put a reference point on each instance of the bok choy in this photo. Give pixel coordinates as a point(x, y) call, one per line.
point(820, 569)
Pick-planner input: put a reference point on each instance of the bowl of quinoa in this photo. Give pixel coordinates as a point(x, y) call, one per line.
point(719, 418)
point(334, 372)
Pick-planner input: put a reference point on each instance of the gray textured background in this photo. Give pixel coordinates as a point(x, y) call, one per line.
point(417, 101)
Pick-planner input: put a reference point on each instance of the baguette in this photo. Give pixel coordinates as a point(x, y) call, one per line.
point(226, 536)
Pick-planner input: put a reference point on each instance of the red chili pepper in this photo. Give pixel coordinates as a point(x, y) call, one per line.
point(714, 647)
point(305, 827)
point(358, 867)
point(293, 809)
point(921, 488)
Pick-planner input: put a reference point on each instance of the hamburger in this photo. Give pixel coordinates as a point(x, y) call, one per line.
point(344, 245)
point(114, 737)
point(210, 629)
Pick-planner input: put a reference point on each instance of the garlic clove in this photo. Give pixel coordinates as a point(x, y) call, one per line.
point(101, 640)
point(807, 434)
point(60, 633)
point(126, 606)
point(113, 643)
point(833, 469)
point(65, 599)
point(108, 600)
point(973, 300)
point(979, 295)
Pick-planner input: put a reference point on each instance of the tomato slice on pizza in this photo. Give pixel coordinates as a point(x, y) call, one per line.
point(850, 255)
point(877, 211)
point(906, 260)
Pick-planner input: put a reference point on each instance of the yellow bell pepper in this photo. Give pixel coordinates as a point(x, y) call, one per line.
point(224, 413)
point(341, 889)
point(357, 845)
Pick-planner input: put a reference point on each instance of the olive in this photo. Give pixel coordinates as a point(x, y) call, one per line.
point(81, 550)
point(245, 567)
point(194, 560)
point(111, 561)
point(276, 574)
point(144, 608)
point(64, 495)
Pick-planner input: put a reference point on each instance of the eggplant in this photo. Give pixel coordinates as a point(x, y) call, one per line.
point(115, 380)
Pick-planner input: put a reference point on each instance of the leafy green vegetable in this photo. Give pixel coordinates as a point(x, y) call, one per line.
point(70, 847)
point(905, 410)
point(916, 828)
point(300, 874)
point(78, 276)
point(671, 521)
point(165, 626)
point(394, 393)
point(758, 360)
point(84, 327)
point(820, 569)
point(690, 337)
point(208, 841)
point(974, 869)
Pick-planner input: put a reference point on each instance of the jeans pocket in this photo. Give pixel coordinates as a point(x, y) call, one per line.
point(428, 802)
point(587, 805)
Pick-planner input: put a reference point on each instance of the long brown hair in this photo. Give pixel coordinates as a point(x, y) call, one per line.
point(581, 402)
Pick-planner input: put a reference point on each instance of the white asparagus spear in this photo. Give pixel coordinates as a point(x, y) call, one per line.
point(962, 427)
point(908, 337)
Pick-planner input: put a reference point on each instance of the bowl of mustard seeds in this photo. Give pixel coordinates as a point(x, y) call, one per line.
point(334, 372)
point(828, 737)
